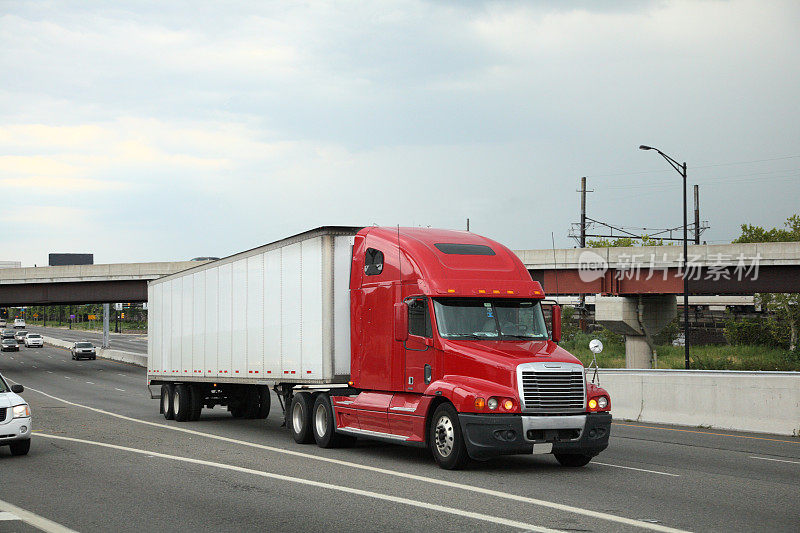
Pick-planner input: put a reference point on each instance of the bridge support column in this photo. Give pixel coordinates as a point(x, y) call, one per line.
point(106, 312)
point(638, 318)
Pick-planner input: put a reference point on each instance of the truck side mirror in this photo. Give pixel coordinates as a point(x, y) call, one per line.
point(400, 321)
point(556, 314)
point(17, 389)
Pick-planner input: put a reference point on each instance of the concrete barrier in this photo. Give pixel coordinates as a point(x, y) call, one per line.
point(763, 402)
point(139, 359)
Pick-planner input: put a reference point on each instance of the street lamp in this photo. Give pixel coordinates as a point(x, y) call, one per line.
point(681, 168)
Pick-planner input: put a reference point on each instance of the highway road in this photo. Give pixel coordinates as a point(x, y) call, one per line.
point(103, 459)
point(118, 341)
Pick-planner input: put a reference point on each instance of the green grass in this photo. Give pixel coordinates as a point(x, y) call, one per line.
point(711, 357)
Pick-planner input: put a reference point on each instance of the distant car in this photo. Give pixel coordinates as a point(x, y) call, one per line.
point(19, 323)
point(9, 345)
point(83, 350)
point(8, 334)
point(20, 335)
point(16, 419)
point(680, 340)
point(34, 340)
point(2, 323)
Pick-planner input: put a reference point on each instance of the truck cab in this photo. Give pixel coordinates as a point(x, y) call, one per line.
point(450, 351)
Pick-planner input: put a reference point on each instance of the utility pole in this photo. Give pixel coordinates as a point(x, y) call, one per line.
point(697, 214)
point(468, 224)
point(582, 322)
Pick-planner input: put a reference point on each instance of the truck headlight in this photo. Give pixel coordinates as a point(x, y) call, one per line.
point(602, 402)
point(492, 403)
point(21, 411)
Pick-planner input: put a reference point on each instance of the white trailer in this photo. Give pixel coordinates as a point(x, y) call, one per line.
point(278, 315)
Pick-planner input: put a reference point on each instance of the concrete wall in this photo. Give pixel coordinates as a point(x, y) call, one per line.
point(767, 402)
point(138, 359)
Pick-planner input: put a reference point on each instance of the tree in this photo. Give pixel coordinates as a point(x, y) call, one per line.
point(784, 308)
point(624, 241)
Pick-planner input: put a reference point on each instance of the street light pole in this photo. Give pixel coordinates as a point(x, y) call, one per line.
point(681, 168)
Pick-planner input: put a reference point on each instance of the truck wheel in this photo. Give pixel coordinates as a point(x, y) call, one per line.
point(300, 419)
point(446, 440)
point(20, 447)
point(264, 402)
point(180, 402)
point(324, 425)
point(252, 402)
point(166, 402)
point(573, 459)
point(195, 402)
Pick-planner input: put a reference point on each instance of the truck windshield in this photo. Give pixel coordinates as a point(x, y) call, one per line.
point(496, 319)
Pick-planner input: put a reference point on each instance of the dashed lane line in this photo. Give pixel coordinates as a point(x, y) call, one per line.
point(32, 519)
point(638, 469)
point(776, 460)
point(434, 481)
point(339, 488)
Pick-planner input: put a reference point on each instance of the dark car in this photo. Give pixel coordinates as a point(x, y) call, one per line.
point(8, 333)
point(9, 345)
point(19, 336)
point(83, 350)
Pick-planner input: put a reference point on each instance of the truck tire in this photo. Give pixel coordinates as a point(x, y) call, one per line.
point(20, 447)
point(300, 419)
point(166, 401)
point(324, 425)
point(446, 440)
point(264, 402)
point(195, 402)
point(181, 402)
point(573, 460)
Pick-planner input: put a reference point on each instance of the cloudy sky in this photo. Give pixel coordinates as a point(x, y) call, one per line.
point(158, 130)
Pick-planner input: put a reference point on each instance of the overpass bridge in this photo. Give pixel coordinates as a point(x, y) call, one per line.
point(79, 284)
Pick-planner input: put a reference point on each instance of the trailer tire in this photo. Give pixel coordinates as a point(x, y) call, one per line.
point(180, 402)
point(573, 460)
point(195, 402)
point(264, 402)
point(300, 418)
point(166, 401)
point(324, 425)
point(446, 440)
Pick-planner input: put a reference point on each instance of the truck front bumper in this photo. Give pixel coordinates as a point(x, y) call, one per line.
point(15, 429)
point(488, 436)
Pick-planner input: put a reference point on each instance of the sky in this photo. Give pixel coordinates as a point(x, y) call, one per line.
point(162, 131)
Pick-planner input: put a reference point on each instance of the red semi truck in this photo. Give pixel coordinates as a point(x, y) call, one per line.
point(417, 336)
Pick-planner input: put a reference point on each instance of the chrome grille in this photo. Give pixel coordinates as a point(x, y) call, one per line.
point(552, 390)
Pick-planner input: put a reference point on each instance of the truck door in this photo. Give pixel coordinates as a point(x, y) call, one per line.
point(419, 352)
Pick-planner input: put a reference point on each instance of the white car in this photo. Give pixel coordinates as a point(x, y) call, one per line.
point(19, 323)
point(34, 340)
point(15, 419)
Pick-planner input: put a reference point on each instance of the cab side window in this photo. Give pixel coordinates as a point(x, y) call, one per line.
point(373, 262)
point(419, 320)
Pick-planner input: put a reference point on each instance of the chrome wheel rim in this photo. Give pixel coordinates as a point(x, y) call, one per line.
point(165, 402)
point(445, 436)
point(297, 418)
point(321, 420)
point(176, 401)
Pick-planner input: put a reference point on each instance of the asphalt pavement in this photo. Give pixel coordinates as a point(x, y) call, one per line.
point(128, 342)
point(104, 459)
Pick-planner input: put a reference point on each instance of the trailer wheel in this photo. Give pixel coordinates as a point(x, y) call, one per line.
point(573, 459)
point(300, 419)
point(180, 402)
point(195, 401)
point(264, 402)
point(166, 401)
point(324, 425)
point(446, 440)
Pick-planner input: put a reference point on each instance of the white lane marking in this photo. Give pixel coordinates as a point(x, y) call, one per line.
point(49, 371)
point(67, 377)
point(776, 460)
point(639, 469)
point(35, 520)
point(470, 488)
point(5, 516)
point(123, 375)
point(319, 484)
point(121, 390)
point(89, 383)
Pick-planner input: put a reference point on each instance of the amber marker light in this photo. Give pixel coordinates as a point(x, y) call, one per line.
point(451, 290)
point(496, 291)
point(481, 291)
point(592, 404)
point(480, 403)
